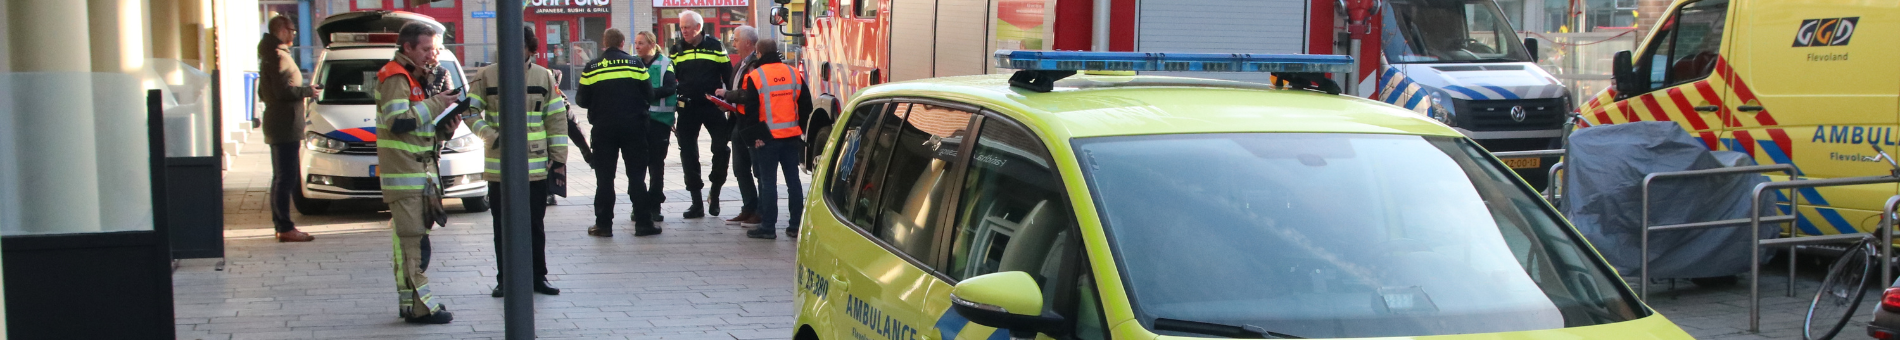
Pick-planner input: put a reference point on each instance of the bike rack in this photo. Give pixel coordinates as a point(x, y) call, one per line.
point(1755, 219)
point(1643, 269)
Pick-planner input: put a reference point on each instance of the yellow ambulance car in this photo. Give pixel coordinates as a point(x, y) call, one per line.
point(1141, 207)
point(1809, 82)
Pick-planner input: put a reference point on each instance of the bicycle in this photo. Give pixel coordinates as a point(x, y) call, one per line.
point(1846, 282)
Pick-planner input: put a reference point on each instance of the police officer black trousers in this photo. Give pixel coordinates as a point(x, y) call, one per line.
point(613, 137)
point(691, 119)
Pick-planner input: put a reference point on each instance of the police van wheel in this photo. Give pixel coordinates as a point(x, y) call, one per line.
point(475, 204)
point(309, 206)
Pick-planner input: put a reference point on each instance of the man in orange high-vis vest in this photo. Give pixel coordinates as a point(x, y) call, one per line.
point(407, 135)
point(774, 101)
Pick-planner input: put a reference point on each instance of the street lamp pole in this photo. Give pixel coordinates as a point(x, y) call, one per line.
point(518, 305)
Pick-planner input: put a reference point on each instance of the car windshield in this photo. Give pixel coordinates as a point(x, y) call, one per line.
point(1340, 235)
point(1449, 31)
point(353, 81)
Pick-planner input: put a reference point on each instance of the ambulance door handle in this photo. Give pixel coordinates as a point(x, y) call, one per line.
point(1748, 108)
point(841, 282)
point(1707, 108)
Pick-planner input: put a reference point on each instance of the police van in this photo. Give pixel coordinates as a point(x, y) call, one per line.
point(1809, 83)
point(1045, 205)
point(339, 153)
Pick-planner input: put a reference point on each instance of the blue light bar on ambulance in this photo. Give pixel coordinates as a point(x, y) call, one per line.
point(1185, 62)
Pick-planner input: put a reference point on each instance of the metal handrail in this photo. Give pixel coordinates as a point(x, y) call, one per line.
point(1643, 269)
point(1755, 219)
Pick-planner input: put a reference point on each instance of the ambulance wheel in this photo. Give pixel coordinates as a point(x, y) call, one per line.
point(309, 206)
point(475, 204)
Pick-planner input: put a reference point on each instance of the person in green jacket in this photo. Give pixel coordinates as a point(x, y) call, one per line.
point(660, 108)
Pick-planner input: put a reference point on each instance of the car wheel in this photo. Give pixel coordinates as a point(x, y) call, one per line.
point(475, 204)
point(308, 206)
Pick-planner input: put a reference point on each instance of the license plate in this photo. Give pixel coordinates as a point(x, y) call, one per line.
point(1524, 163)
point(373, 171)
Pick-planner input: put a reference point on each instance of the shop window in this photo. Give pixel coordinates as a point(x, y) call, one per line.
point(918, 173)
point(1686, 45)
point(368, 4)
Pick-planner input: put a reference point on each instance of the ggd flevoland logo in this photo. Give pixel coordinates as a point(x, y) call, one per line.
point(1825, 32)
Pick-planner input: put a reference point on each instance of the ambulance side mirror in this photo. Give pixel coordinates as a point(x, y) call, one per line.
point(1005, 300)
point(1623, 75)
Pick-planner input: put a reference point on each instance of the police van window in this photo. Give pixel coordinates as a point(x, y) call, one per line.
point(1687, 44)
point(876, 154)
point(849, 156)
point(348, 81)
point(1012, 214)
point(921, 161)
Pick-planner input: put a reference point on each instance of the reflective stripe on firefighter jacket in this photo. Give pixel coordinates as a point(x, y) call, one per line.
point(405, 159)
point(547, 120)
point(778, 98)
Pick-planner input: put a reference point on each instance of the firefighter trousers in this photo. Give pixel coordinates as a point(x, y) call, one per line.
point(410, 239)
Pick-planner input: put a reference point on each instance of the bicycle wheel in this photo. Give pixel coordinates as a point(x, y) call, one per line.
point(1840, 293)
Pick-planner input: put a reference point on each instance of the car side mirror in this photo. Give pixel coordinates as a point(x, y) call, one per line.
point(1005, 300)
point(1623, 75)
point(1530, 46)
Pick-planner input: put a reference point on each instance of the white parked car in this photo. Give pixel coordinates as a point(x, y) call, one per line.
point(339, 154)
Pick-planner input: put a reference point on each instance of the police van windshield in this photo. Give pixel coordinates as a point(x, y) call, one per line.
point(1340, 235)
point(353, 81)
point(1449, 31)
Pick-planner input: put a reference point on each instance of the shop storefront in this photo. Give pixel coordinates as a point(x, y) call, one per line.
point(560, 22)
point(449, 12)
point(722, 16)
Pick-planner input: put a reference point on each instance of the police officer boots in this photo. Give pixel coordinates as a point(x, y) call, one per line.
point(698, 210)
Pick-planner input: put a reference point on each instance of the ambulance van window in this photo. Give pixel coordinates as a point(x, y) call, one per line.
point(921, 162)
point(1686, 44)
point(1012, 214)
point(846, 155)
point(877, 155)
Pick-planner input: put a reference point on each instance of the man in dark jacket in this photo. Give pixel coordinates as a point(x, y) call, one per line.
point(776, 102)
point(702, 67)
point(614, 89)
point(281, 87)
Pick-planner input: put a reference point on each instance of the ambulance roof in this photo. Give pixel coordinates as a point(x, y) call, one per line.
point(1089, 106)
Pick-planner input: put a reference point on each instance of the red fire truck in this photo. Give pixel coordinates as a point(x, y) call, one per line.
point(1457, 61)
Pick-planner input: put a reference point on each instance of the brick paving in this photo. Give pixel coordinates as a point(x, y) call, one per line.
point(702, 279)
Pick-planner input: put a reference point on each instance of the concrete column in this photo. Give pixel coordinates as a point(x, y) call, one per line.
point(52, 115)
point(118, 39)
point(165, 32)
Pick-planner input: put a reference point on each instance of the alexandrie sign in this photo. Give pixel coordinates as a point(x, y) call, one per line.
point(700, 3)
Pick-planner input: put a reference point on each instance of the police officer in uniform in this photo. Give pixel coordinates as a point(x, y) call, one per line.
point(547, 151)
point(407, 145)
point(774, 100)
point(614, 89)
point(702, 65)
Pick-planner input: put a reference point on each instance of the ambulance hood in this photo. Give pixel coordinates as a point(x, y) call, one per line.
point(372, 22)
point(1491, 81)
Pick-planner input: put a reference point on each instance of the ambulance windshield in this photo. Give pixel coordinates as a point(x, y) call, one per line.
point(1340, 236)
point(1448, 31)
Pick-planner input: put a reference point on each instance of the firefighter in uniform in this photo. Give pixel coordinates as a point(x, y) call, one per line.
point(660, 108)
point(703, 67)
point(773, 101)
point(614, 89)
point(407, 145)
point(547, 151)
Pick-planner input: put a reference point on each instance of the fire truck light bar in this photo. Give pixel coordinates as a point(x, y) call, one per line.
point(1187, 62)
point(363, 38)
